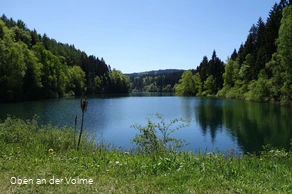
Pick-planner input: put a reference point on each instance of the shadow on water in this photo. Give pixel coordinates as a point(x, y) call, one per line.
point(251, 124)
point(137, 94)
point(209, 115)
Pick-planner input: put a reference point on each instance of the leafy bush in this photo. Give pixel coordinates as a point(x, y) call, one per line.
point(223, 91)
point(150, 142)
point(258, 90)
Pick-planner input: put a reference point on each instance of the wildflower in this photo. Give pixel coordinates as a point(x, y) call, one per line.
point(261, 158)
point(117, 162)
point(51, 150)
point(93, 152)
point(127, 153)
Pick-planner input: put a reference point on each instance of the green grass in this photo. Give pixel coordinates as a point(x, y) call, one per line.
point(25, 153)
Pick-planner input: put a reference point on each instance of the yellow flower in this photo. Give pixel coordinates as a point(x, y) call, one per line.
point(93, 152)
point(51, 150)
point(261, 158)
point(127, 153)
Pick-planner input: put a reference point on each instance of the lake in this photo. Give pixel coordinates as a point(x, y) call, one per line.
point(218, 124)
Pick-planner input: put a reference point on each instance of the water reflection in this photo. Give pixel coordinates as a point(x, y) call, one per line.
point(251, 124)
point(152, 94)
point(219, 123)
point(209, 115)
point(57, 112)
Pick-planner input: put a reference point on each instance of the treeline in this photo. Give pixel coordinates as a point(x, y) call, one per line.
point(261, 70)
point(33, 66)
point(163, 82)
point(205, 80)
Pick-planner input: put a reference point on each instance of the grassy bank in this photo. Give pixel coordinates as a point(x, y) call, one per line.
point(38, 157)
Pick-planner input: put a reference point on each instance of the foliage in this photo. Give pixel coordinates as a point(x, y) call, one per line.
point(30, 137)
point(120, 82)
point(209, 86)
point(206, 80)
point(154, 138)
point(34, 66)
point(186, 85)
point(198, 84)
point(261, 70)
point(155, 81)
point(231, 71)
point(285, 50)
point(189, 84)
point(77, 80)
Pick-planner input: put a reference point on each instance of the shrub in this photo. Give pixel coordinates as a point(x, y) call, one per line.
point(155, 137)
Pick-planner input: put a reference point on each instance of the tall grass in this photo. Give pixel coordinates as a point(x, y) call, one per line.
point(28, 135)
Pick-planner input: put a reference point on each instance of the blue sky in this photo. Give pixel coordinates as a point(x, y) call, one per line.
point(143, 35)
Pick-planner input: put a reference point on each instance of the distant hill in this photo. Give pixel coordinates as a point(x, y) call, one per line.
point(154, 72)
point(162, 80)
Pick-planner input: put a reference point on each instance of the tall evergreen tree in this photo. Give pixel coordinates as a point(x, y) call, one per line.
point(234, 55)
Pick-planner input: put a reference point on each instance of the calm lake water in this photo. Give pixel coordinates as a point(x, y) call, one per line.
point(218, 124)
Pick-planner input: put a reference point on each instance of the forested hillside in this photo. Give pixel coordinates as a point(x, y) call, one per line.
point(155, 81)
point(261, 69)
point(154, 72)
point(34, 66)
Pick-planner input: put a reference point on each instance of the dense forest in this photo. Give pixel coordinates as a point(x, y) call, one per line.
point(34, 66)
point(155, 81)
point(261, 69)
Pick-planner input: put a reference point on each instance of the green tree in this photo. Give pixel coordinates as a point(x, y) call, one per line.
point(258, 89)
point(234, 55)
point(98, 85)
point(55, 74)
point(285, 50)
point(33, 77)
point(120, 82)
point(198, 83)
point(167, 88)
point(285, 42)
point(22, 35)
point(209, 86)
point(77, 80)
point(276, 72)
point(12, 66)
point(245, 72)
point(229, 73)
point(203, 68)
point(186, 85)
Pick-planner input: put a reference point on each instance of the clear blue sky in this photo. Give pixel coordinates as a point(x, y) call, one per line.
point(142, 35)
